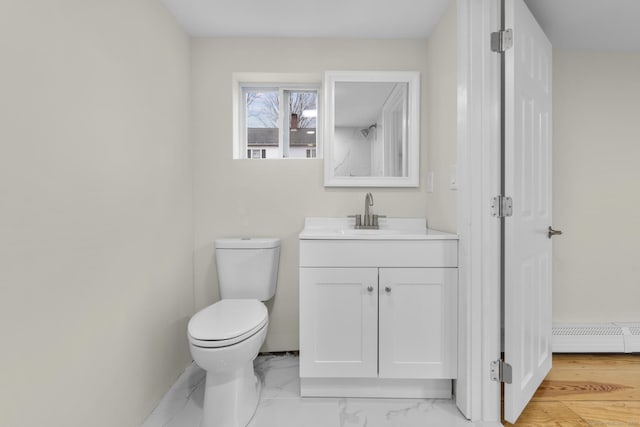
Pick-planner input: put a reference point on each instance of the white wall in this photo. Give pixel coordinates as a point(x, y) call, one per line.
point(260, 198)
point(442, 85)
point(95, 210)
point(596, 140)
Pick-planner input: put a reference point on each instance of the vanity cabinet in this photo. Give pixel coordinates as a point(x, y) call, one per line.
point(378, 322)
point(378, 317)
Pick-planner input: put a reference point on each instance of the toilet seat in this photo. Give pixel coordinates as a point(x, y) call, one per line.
point(227, 322)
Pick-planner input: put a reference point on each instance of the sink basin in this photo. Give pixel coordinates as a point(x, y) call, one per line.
point(390, 229)
point(378, 232)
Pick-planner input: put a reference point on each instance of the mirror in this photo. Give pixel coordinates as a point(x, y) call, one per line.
point(372, 128)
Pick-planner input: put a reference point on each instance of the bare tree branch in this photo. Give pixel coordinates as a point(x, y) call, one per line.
point(263, 108)
point(298, 103)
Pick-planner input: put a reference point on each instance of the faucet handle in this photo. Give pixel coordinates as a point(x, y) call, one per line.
point(358, 218)
point(375, 220)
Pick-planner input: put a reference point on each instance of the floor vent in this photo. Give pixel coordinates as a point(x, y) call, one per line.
point(596, 338)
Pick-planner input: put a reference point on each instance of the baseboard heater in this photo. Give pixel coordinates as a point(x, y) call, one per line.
point(596, 338)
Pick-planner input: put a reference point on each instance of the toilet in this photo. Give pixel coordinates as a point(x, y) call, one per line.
point(225, 337)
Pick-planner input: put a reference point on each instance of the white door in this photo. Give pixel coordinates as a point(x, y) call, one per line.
point(418, 322)
point(339, 322)
point(527, 259)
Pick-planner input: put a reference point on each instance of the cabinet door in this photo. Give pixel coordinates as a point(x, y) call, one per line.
point(338, 322)
point(418, 322)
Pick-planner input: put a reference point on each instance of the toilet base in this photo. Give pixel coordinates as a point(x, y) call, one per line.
point(231, 400)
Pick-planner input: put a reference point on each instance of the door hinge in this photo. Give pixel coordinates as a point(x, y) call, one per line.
point(501, 371)
point(502, 40)
point(501, 206)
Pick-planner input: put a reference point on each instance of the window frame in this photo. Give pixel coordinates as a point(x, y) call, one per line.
point(280, 83)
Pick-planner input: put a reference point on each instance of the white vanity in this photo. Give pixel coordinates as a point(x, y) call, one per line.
point(378, 309)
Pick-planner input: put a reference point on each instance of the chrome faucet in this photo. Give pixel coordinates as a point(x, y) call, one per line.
point(368, 202)
point(370, 221)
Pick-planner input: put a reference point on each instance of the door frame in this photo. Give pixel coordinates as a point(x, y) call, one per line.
point(478, 144)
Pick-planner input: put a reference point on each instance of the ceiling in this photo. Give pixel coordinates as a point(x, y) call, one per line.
point(611, 25)
point(358, 104)
point(308, 18)
point(569, 24)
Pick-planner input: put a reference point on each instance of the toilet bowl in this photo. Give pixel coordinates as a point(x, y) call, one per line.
point(225, 337)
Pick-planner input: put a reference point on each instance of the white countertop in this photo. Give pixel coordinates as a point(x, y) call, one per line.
point(325, 228)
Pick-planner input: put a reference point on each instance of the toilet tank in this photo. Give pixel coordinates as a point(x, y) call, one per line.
point(247, 267)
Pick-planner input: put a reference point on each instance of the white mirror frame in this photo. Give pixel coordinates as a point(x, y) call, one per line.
point(412, 78)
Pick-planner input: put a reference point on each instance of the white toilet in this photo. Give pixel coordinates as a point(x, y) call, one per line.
point(225, 337)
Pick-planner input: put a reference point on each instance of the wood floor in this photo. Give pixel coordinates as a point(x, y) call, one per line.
point(587, 390)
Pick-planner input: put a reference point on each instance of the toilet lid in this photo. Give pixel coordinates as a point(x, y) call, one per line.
point(228, 319)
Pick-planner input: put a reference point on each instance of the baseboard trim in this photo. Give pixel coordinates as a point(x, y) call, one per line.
point(376, 387)
point(614, 337)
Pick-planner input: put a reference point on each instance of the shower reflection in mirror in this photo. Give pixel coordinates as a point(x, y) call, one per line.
point(362, 147)
point(369, 138)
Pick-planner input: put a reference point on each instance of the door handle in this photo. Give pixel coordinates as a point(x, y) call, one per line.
point(553, 232)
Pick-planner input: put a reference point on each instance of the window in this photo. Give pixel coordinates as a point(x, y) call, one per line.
point(253, 153)
point(277, 121)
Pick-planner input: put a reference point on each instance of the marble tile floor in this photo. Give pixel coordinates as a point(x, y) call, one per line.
point(281, 405)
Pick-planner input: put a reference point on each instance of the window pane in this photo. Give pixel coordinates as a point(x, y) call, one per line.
point(303, 107)
point(263, 110)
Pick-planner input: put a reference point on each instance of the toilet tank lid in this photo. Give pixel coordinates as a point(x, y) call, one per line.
point(248, 243)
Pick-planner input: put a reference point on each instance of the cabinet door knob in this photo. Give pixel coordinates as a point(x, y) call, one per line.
point(387, 289)
point(370, 288)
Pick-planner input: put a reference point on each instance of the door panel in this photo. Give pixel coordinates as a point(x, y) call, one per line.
point(339, 329)
point(527, 259)
point(418, 322)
